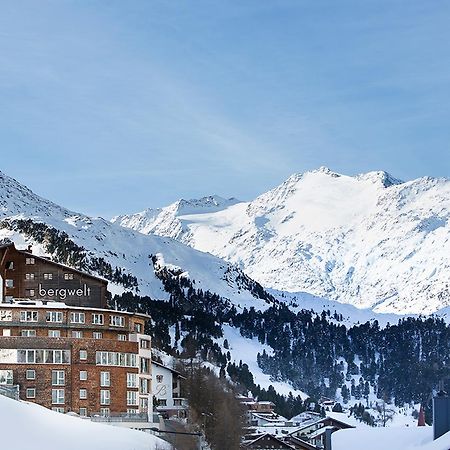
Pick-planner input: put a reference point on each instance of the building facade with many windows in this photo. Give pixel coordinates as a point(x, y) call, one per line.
point(73, 355)
point(86, 360)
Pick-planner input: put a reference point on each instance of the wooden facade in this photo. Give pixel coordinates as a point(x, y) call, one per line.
point(28, 276)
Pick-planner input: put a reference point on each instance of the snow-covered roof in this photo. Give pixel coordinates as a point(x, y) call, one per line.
point(401, 438)
point(168, 368)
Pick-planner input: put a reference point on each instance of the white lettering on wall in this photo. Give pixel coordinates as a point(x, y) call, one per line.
point(64, 293)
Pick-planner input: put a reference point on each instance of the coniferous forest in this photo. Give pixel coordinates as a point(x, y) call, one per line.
point(401, 362)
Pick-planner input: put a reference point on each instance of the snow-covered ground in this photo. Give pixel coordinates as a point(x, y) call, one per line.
point(245, 350)
point(27, 426)
point(405, 438)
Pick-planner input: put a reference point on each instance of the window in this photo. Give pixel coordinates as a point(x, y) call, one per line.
point(77, 334)
point(59, 410)
point(5, 315)
point(29, 261)
point(159, 378)
point(29, 276)
point(54, 333)
point(83, 375)
point(31, 393)
point(29, 293)
point(143, 386)
point(177, 402)
point(43, 356)
point(30, 374)
point(117, 321)
point(162, 402)
point(83, 412)
point(131, 380)
point(9, 283)
point(83, 354)
point(77, 317)
point(143, 404)
point(115, 359)
point(145, 365)
point(97, 335)
point(68, 276)
point(83, 394)
point(138, 328)
point(132, 398)
point(58, 378)
point(28, 333)
point(122, 337)
point(132, 411)
point(6, 332)
point(145, 343)
point(105, 398)
point(48, 276)
point(54, 316)
point(97, 319)
point(28, 316)
point(6, 376)
point(58, 396)
point(105, 379)
point(9, 265)
point(104, 412)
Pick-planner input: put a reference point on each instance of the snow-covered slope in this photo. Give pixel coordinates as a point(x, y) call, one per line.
point(370, 240)
point(165, 220)
point(27, 426)
point(121, 247)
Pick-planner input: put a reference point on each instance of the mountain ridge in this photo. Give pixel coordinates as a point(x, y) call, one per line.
point(370, 240)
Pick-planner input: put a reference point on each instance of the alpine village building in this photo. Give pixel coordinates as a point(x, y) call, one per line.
point(63, 347)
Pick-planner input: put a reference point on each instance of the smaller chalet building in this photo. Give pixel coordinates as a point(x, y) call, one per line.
point(267, 442)
point(167, 391)
point(24, 275)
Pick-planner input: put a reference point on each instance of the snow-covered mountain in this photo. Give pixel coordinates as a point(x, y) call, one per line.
point(370, 240)
point(162, 219)
point(27, 219)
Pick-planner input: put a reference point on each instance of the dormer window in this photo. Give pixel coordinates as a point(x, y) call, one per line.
point(29, 261)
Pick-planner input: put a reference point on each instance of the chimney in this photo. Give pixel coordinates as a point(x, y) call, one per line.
point(29, 249)
point(421, 421)
point(441, 414)
point(327, 443)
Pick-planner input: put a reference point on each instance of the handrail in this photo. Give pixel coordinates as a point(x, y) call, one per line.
point(10, 391)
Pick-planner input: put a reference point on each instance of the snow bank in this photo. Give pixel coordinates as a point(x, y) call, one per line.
point(26, 426)
point(404, 438)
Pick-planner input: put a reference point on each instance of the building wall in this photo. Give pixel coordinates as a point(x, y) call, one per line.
point(28, 276)
point(11, 341)
point(162, 384)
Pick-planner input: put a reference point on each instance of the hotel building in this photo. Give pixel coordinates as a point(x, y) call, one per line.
point(62, 347)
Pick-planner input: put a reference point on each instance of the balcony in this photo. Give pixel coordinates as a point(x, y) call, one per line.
point(120, 418)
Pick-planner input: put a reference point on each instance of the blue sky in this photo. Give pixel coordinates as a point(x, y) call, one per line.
point(112, 106)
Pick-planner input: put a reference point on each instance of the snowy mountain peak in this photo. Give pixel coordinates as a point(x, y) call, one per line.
point(325, 170)
point(380, 177)
point(370, 240)
point(208, 203)
point(17, 199)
